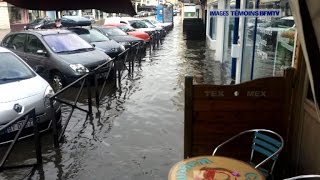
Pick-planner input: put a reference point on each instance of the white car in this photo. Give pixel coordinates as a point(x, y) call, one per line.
point(136, 23)
point(21, 89)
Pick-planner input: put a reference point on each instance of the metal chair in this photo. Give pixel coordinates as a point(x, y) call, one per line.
point(262, 143)
point(309, 176)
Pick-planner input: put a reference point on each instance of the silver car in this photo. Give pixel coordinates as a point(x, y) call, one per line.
point(21, 87)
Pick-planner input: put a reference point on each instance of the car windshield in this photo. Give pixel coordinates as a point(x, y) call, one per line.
point(126, 28)
point(13, 69)
point(150, 25)
point(68, 42)
point(90, 35)
point(114, 32)
point(138, 24)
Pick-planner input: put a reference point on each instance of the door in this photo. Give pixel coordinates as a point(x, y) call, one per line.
point(231, 28)
point(249, 39)
point(36, 54)
point(16, 44)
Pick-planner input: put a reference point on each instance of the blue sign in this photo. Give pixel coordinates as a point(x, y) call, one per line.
point(160, 13)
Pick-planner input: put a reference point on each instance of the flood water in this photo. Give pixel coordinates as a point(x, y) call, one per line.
point(139, 134)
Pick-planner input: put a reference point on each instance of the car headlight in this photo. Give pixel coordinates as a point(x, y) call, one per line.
point(124, 43)
point(47, 94)
point(100, 49)
point(122, 47)
point(79, 68)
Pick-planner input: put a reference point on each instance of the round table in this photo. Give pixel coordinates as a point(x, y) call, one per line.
point(213, 168)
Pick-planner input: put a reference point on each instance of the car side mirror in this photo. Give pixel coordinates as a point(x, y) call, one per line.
point(42, 52)
point(39, 69)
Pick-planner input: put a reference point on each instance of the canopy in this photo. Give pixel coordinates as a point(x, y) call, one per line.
point(109, 6)
point(307, 18)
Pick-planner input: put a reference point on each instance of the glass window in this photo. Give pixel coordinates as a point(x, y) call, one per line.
point(269, 49)
point(248, 44)
point(33, 45)
point(18, 42)
point(114, 32)
point(16, 14)
point(138, 24)
point(90, 35)
point(13, 69)
point(62, 43)
point(126, 28)
point(5, 42)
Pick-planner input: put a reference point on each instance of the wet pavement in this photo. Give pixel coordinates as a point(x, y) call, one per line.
point(139, 133)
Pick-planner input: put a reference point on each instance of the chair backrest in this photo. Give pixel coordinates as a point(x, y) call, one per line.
point(267, 143)
point(309, 176)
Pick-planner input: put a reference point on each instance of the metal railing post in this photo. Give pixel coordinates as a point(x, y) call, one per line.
point(54, 125)
point(89, 94)
point(133, 57)
point(37, 142)
point(115, 66)
point(119, 71)
point(96, 87)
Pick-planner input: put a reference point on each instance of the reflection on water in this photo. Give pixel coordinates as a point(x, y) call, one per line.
point(137, 133)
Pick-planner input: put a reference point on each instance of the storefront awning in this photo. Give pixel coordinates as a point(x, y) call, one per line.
point(109, 6)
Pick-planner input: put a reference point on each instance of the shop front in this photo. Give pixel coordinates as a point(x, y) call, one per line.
point(19, 17)
point(268, 43)
point(253, 47)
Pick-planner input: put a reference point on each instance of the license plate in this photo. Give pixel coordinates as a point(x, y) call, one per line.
point(17, 126)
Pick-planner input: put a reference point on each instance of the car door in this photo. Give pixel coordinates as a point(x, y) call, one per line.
point(16, 43)
point(37, 55)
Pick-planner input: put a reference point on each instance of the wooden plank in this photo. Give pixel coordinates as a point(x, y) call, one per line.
point(233, 117)
point(237, 105)
point(263, 88)
point(188, 116)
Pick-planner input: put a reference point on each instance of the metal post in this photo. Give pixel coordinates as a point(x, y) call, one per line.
point(115, 71)
point(54, 125)
point(119, 76)
point(235, 41)
point(254, 41)
point(89, 94)
point(133, 59)
point(37, 142)
point(96, 87)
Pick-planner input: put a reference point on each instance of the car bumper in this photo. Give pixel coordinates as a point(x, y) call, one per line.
point(44, 124)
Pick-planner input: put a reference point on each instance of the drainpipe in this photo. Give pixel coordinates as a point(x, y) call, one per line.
point(235, 48)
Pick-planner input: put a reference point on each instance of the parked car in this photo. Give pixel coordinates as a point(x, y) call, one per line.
point(99, 40)
point(139, 25)
point(136, 23)
point(63, 55)
point(71, 21)
point(21, 89)
point(40, 23)
point(118, 35)
point(131, 31)
point(158, 27)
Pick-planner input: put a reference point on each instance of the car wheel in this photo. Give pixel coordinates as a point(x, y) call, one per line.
point(57, 81)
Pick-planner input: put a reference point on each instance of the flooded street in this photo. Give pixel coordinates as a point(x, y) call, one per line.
point(139, 134)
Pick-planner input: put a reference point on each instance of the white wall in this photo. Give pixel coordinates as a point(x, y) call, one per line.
point(4, 16)
point(220, 32)
point(210, 42)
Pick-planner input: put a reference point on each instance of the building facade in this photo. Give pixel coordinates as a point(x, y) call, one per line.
point(15, 18)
